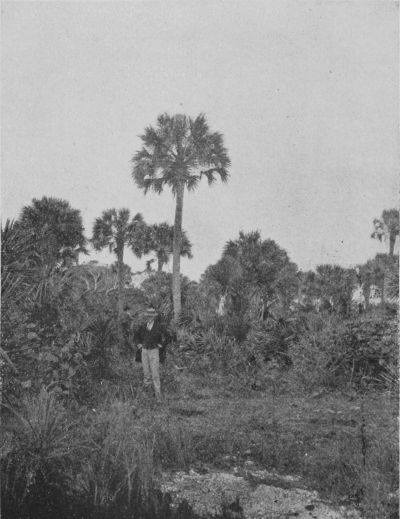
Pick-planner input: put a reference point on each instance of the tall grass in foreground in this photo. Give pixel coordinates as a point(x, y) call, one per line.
point(110, 465)
point(104, 467)
point(118, 472)
point(43, 443)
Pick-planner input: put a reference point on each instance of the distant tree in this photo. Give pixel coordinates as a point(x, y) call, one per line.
point(383, 272)
point(161, 237)
point(55, 228)
point(308, 288)
point(329, 287)
point(116, 230)
point(335, 287)
point(17, 254)
point(387, 227)
point(260, 262)
point(254, 272)
point(177, 153)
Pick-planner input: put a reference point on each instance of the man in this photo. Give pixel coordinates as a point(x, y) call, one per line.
point(150, 338)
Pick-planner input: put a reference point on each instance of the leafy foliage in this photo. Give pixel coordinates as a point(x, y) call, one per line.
point(78, 441)
point(158, 292)
point(356, 352)
point(56, 230)
point(272, 339)
point(115, 229)
point(161, 237)
point(54, 341)
point(35, 471)
point(387, 227)
point(253, 274)
point(330, 287)
point(179, 150)
point(383, 272)
point(18, 275)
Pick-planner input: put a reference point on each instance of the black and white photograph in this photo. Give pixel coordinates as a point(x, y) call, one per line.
point(199, 259)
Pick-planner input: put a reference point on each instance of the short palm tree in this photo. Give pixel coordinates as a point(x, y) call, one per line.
point(116, 230)
point(161, 237)
point(387, 227)
point(56, 229)
point(177, 153)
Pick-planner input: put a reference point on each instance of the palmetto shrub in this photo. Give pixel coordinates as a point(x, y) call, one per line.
point(206, 351)
point(103, 333)
point(212, 352)
point(354, 352)
point(36, 467)
point(272, 338)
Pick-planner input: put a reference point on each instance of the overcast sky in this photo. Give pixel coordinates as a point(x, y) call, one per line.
point(305, 93)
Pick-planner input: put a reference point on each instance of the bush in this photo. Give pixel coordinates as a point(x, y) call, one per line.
point(35, 471)
point(119, 478)
point(119, 471)
point(212, 352)
point(271, 339)
point(356, 352)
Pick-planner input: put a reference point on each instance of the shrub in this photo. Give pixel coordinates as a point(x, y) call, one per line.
point(35, 471)
point(349, 353)
point(271, 338)
point(212, 352)
point(119, 472)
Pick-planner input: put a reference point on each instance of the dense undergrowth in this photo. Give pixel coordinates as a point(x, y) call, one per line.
point(289, 388)
point(224, 405)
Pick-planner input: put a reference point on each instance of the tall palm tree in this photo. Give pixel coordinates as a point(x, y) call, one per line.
point(161, 236)
point(387, 227)
point(116, 230)
point(177, 153)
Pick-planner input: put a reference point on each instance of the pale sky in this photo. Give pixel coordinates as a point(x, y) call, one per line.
point(305, 93)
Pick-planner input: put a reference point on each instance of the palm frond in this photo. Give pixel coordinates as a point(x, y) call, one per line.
point(179, 149)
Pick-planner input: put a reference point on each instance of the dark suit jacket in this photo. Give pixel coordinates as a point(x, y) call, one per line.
point(150, 338)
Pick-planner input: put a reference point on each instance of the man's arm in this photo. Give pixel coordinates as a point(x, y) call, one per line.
point(138, 336)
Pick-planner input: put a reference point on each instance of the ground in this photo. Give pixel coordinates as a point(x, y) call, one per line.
point(343, 445)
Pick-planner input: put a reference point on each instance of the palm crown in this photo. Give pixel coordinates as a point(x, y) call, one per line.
point(161, 242)
point(114, 229)
point(180, 150)
point(55, 227)
point(388, 226)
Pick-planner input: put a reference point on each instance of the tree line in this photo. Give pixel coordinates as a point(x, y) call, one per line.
point(177, 153)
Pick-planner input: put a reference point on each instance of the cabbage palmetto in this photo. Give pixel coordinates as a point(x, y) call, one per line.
point(387, 227)
point(177, 153)
point(161, 236)
point(115, 230)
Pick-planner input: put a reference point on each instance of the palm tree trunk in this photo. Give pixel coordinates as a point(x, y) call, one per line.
point(392, 241)
point(367, 292)
point(160, 264)
point(176, 279)
point(120, 307)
